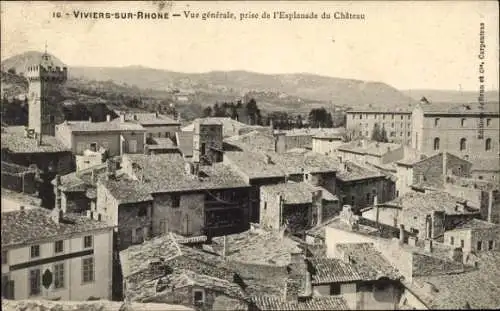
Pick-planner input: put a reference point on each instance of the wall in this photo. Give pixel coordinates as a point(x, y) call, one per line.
point(372, 297)
point(493, 175)
point(211, 136)
point(269, 211)
point(326, 146)
point(335, 236)
point(398, 123)
point(417, 120)
point(404, 176)
point(109, 140)
point(471, 238)
point(431, 170)
point(75, 202)
point(130, 220)
point(73, 289)
point(226, 211)
point(106, 205)
point(161, 130)
point(187, 219)
point(449, 130)
point(385, 189)
point(393, 155)
point(23, 182)
point(138, 137)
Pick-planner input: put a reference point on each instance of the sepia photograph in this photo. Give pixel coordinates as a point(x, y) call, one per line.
point(250, 155)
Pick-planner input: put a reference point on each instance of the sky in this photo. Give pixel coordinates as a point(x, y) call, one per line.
point(409, 45)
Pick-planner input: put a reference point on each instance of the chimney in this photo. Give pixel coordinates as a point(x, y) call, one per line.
point(317, 203)
point(110, 169)
point(308, 285)
point(156, 114)
point(122, 117)
point(401, 234)
point(179, 117)
point(21, 207)
point(428, 245)
point(90, 119)
point(412, 240)
point(108, 118)
point(57, 212)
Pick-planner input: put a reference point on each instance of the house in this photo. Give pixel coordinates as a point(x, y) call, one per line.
point(474, 235)
point(296, 205)
point(464, 129)
point(426, 215)
point(14, 201)
point(205, 143)
point(360, 185)
point(397, 123)
point(116, 137)
point(182, 197)
point(326, 143)
point(19, 178)
point(155, 124)
point(373, 152)
point(486, 168)
point(302, 138)
point(53, 255)
point(258, 169)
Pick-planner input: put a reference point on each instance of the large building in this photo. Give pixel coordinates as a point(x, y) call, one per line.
point(397, 123)
point(464, 129)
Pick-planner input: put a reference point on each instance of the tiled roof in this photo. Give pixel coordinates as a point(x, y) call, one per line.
point(333, 270)
point(162, 143)
point(86, 126)
point(338, 223)
point(265, 303)
point(474, 289)
point(476, 224)
point(350, 171)
point(460, 108)
point(258, 247)
point(255, 164)
point(425, 203)
point(385, 109)
point(185, 143)
point(369, 147)
point(253, 141)
point(102, 305)
point(146, 118)
point(82, 180)
point(486, 164)
point(297, 193)
point(13, 139)
point(312, 132)
point(230, 127)
point(369, 262)
point(126, 190)
point(26, 200)
point(167, 173)
point(32, 225)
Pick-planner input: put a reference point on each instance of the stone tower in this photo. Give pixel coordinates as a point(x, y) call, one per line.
point(44, 78)
point(207, 141)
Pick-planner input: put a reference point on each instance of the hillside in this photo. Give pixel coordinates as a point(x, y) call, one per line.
point(445, 96)
point(21, 61)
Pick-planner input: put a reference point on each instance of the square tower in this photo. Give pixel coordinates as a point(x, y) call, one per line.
point(44, 80)
point(207, 141)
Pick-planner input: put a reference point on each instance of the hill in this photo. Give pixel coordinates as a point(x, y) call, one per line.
point(446, 96)
point(21, 61)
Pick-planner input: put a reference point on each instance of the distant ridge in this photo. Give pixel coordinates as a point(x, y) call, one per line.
point(445, 96)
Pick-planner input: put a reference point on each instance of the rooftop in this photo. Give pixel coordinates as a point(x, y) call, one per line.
point(272, 164)
point(87, 126)
point(146, 118)
point(297, 192)
point(406, 109)
point(320, 132)
point(167, 173)
point(475, 224)
point(333, 270)
point(350, 171)
point(14, 140)
point(230, 127)
point(48, 305)
point(425, 203)
point(126, 190)
point(21, 199)
point(476, 289)
point(369, 147)
point(258, 247)
point(254, 140)
point(460, 108)
point(33, 225)
point(265, 303)
point(486, 164)
point(369, 262)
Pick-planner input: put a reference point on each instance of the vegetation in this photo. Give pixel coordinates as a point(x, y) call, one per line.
point(379, 134)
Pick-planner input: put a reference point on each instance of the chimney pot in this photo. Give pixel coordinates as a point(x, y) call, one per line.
point(428, 245)
point(90, 119)
point(108, 118)
point(401, 234)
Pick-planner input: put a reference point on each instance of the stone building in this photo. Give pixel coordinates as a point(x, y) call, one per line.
point(295, 206)
point(155, 124)
point(207, 141)
point(53, 255)
point(474, 235)
point(365, 151)
point(463, 129)
point(116, 138)
point(397, 123)
point(326, 143)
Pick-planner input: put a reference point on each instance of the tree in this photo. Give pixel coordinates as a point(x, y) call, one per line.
point(299, 121)
point(379, 134)
point(253, 111)
point(12, 70)
point(319, 117)
point(207, 112)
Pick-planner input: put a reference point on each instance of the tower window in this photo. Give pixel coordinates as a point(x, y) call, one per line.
point(462, 122)
point(463, 144)
point(488, 122)
point(436, 143)
point(488, 144)
point(436, 122)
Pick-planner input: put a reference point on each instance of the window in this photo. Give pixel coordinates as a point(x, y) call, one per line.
point(480, 177)
point(462, 122)
point(393, 134)
point(361, 117)
point(383, 117)
point(4, 258)
point(353, 199)
point(392, 124)
point(138, 235)
point(452, 240)
point(436, 122)
point(203, 147)
point(409, 134)
point(198, 296)
point(436, 143)
point(265, 205)
point(392, 117)
point(59, 246)
point(334, 289)
point(59, 275)
point(462, 243)
point(176, 201)
point(402, 117)
point(368, 197)
point(87, 241)
point(143, 211)
point(491, 245)
point(463, 144)
point(487, 144)
point(93, 147)
point(35, 251)
point(35, 282)
point(479, 245)
point(88, 270)
point(488, 122)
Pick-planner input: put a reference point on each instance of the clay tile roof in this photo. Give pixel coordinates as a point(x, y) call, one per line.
point(13, 139)
point(146, 118)
point(333, 270)
point(369, 147)
point(297, 193)
point(265, 303)
point(460, 108)
point(476, 224)
point(352, 171)
point(33, 225)
point(86, 126)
